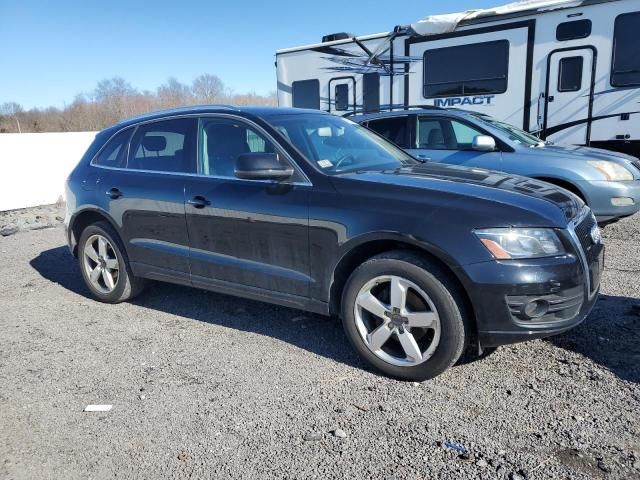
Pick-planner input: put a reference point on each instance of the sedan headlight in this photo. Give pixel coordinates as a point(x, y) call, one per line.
point(511, 243)
point(612, 171)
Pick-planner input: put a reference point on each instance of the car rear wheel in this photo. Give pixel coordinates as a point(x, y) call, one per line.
point(104, 265)
point(405, 315)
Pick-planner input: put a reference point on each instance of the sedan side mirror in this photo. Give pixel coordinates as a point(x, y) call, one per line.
point(262, 166)
point(483, 143)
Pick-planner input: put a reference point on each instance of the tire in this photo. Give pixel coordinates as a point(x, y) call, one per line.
point(125, 285)
point(444, 312)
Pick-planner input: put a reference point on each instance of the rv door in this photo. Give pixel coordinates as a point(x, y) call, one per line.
point(342, 95)
point(569, 95)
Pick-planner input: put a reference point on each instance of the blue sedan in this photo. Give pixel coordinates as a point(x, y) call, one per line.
point(608, 182)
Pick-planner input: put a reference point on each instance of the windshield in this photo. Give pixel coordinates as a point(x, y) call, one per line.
point(515, 134)
point(338, 145)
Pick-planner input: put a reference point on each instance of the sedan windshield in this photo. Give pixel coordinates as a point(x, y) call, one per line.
point(337, 145)
point(515, 134)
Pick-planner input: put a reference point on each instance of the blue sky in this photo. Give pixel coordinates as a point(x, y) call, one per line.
point(53, 50)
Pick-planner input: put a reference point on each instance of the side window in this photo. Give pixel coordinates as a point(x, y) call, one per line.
point(222, 141)
point(114, 154)
point(371, 92)
point(573, 30)
point(464, 135)
point(444, 134)
point(625, 71)
point(306, 94)
point(394, 129)
point(164, 146)
point(474, 69)
point(342, 97)
point(570, 74)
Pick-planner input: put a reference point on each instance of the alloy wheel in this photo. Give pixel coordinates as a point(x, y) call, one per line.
point(101, 263)
point(397, 320)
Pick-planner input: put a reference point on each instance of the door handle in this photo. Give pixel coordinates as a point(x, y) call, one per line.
point(199, 201)
point(114, 193)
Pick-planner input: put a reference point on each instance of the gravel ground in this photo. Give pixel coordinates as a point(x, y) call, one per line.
point(209, 386)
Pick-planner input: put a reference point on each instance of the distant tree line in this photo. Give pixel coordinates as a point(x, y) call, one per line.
point(115, 99)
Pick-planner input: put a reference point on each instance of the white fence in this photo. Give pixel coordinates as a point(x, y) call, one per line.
point(34, 166)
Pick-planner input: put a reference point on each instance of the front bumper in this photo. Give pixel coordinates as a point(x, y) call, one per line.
point(500, 289)
point(601, 195)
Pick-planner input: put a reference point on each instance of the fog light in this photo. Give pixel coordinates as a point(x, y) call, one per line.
point(535, 308)
point(622, 201)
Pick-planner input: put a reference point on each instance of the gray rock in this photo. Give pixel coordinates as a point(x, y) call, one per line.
point(338, 432)
point(482, 463)
point(312, 437)
point(6, 231)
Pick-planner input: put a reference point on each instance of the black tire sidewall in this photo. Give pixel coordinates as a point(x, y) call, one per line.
point(117, 293)
point(453, 335)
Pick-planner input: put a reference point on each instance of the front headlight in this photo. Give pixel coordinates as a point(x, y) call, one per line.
point(510, 243)
point(612, 171)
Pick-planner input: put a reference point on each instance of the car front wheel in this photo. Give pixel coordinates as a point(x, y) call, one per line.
point(405, 315)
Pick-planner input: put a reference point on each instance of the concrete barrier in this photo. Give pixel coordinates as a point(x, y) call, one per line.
point(34, 166)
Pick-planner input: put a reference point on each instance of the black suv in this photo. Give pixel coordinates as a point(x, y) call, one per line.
point(308, 210)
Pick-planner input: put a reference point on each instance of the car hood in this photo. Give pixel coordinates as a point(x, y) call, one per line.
point(580, 153)
point(526, 194)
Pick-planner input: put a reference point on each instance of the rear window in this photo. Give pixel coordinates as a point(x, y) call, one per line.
point(625, 71)
point(114, 154)
point(394, 129)
point(164, 146)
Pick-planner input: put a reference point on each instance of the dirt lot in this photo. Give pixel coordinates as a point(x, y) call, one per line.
point(209, 386)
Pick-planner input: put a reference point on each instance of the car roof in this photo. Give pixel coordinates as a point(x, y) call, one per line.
point(361, 117)
point(258, 111)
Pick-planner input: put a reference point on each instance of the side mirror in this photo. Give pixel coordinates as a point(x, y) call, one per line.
point(262, 166)
point(483, 143)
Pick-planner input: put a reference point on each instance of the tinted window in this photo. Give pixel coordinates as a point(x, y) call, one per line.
point(114, 154)
point(394, 129)
point(626, 58)
point(479, 68)
point(570, 74)
point(445, 134)
point(165, 146)
point(342, 97)
point(222, 141)
point(306, 94)
point(371, 92)
point(573, 30)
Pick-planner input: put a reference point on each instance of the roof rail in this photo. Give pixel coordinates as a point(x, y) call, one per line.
point(392, 109)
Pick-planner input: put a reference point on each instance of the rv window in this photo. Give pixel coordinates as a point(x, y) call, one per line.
point(306, 94)
point(625, 71)
point(394, 129)
point(342, 97)
point(474, 69)
point(573, 30)
point(371, 92)
point(570, 74)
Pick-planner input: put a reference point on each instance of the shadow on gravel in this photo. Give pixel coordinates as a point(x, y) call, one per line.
point(610, 336)
point(314, 333)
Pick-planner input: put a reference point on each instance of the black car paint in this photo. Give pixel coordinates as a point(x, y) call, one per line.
point(292, 243)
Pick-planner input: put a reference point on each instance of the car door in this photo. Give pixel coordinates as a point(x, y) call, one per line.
point(449, 140)
point(252, 233)
point(144, 194)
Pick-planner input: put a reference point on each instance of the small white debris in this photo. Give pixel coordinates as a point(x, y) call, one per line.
point(340, 433)
point(98, 408)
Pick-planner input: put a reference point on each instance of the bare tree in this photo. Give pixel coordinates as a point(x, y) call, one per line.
point(12, 109)
point(207, 88)
point(114, 99)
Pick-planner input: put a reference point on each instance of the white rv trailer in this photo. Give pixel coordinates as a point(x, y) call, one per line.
point(566, 70)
